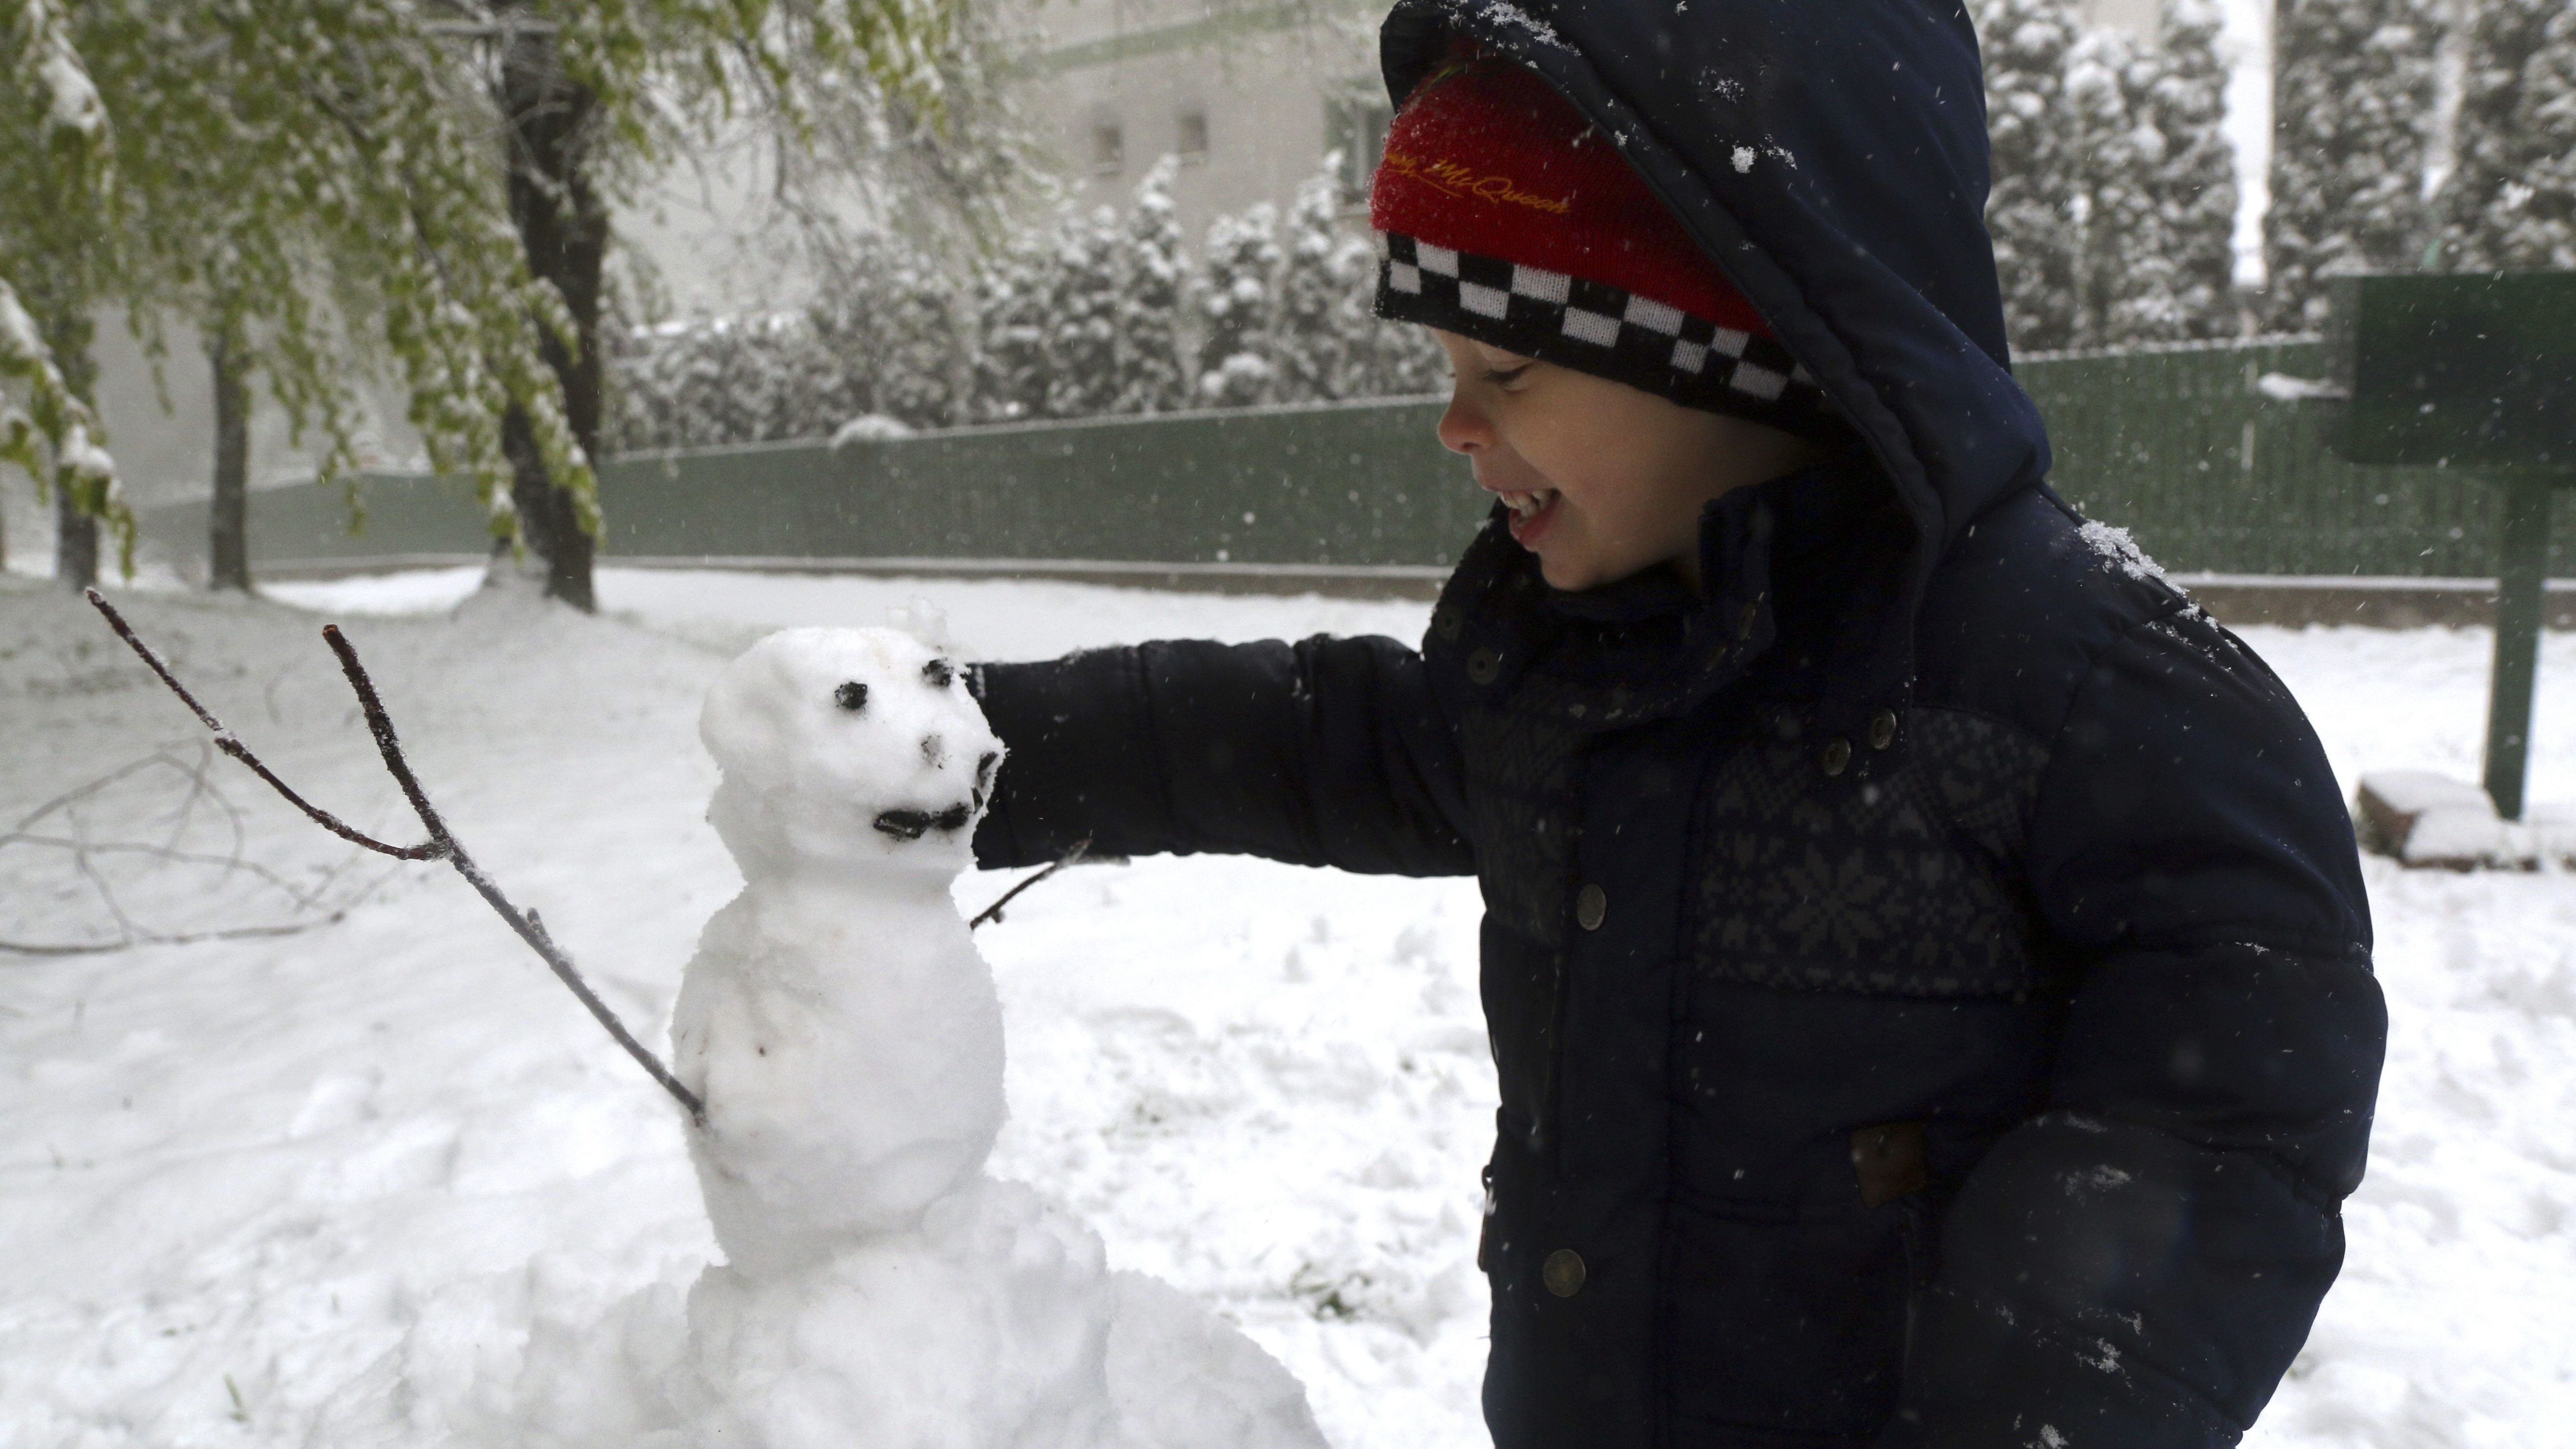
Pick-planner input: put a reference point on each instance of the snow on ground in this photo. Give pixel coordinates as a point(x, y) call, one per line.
point(261, 1187)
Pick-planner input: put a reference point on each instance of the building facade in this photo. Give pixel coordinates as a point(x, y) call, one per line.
point(1251, 95)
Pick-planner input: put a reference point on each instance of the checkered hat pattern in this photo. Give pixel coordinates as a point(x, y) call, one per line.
point(1601, 329)
point(1503, 215)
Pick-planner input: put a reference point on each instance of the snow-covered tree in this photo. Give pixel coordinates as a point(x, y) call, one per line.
point(54, 199)
point(1151, 304)
point(2107, 207)
point(1011, 295)
point(315, 183)
point(1081, 316)
point(895, 326)
point(1238, 308)
point(246, 169)
point(2352, 114)
point(2510, 198)
point(2037, 244)
point(2179, 260)
point(1308, 331)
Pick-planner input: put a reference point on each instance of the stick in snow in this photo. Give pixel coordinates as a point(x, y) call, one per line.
point(441, 845)
point(993, 912)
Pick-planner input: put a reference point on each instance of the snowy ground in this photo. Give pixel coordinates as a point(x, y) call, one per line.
point(237, 1173)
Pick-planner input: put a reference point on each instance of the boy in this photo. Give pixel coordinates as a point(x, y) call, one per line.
point(1925, 957)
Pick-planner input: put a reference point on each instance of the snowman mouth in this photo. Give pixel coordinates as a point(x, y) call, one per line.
point(914, 824)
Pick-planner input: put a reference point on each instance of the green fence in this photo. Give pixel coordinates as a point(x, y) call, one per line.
point(2184, 449)
point(2182, 446)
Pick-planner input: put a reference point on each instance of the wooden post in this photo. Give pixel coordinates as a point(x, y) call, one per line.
point(2522, 572)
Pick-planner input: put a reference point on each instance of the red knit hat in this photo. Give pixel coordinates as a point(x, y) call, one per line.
point(1503, 215)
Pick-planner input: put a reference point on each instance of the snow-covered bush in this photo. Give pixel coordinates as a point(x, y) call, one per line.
point(1089, 314)
point(722, 380)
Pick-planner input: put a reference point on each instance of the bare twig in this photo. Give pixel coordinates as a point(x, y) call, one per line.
point(230, 745)
point(303, 901)
point(993, 912)
point(187, 938)
point(442, 844)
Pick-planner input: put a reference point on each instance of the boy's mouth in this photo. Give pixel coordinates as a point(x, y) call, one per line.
point(1531, 512)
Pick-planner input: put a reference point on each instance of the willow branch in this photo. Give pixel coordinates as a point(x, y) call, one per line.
point(442, 843)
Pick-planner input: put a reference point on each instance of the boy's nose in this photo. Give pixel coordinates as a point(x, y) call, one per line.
point(1463, 429)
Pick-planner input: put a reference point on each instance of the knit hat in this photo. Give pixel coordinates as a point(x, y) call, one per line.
point(1503, 215)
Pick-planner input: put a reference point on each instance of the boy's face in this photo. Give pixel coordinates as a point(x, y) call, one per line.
point(1605, 480)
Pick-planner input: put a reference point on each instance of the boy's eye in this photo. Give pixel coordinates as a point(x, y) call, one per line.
point(1506, 376)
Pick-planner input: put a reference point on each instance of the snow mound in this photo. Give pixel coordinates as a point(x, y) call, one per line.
point(2426, 818)
point(997, 1324)
point(871, 428)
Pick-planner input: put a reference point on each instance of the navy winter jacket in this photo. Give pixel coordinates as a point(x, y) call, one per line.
point(1928, 970)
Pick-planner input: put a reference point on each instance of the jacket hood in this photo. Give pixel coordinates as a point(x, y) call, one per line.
point(1831, 160)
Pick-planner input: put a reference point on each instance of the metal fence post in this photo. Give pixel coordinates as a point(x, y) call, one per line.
point(2522, 570)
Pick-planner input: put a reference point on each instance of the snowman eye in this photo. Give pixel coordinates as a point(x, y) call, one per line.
point(940, 673)
point(852, 696)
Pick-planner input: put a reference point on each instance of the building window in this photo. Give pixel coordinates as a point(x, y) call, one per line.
point(1108, 148)
point(1355, 120)
point(1193, 136)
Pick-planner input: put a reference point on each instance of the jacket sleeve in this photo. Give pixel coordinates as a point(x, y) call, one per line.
point(2138, 1265)
point(1327, 752)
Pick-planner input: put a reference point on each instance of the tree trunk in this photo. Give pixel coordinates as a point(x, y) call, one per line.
point(563, 224)
point(75, 543)
point(228, 520)
point(68, 331)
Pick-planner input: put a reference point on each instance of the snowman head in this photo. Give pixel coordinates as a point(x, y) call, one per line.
point(856, 747)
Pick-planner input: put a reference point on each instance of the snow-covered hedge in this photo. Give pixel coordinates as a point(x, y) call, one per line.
point(1090, 315)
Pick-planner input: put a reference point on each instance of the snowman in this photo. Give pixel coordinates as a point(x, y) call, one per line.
point(837, 1021)
point(846, 1038)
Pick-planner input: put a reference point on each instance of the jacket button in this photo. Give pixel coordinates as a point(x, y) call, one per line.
point(1447, 622)
point(1837, 755)
point(1483, 665)
point(1882, 729)
point(1591, 904)
point(1563, 1272)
